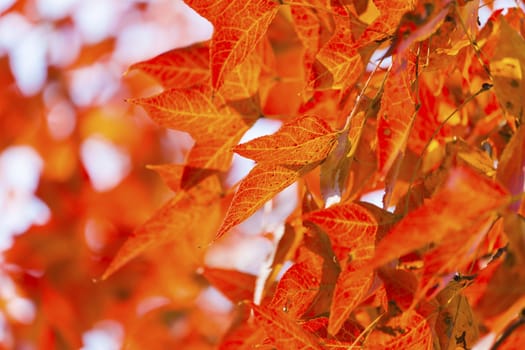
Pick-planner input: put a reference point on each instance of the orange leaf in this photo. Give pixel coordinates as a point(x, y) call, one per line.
point(311, 20)
point(283, 331)
point(466, 198)
point(456, 325)
point(258, 187)
point(348, 225)
point(349, 332)
point(247, 336)
point(351, 288)
point(284, 157)
point(196, 111)
point(180, 68)
point(175, 221)
point(309, 17)
point(504, 295)
point(303, 141)
point(334, 170)
point(171, 174)
point(352, 230)
point(243, 80)
point(400, 285)
point(391, 12)
point(215, 125)
point(297, 289)
point(507, 66)
point(397, 112)
point(408, 331)
point(419, 24)
point(340, 55)
point(236, 285)
point(239, 26)
point(511, 167)
point(454, 254)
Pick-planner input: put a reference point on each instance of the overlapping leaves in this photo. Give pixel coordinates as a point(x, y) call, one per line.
point(360, 276)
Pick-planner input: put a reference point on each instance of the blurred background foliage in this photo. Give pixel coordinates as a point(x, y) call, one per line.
point(73, 182)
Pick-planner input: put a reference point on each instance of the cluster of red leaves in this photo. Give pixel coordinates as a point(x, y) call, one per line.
point(439, 131)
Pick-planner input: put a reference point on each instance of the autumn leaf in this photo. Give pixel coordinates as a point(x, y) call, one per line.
point(312, 22)
point(348, 225)
point(306, 140)
point(419, 24)
point(351, 288)
point(386, 23)
point(454, 254)
point(504, 294)
point(238, 27)
point(339, 55)
point(297, 289)
point(334, 170)
point(345, 338)
point(294, 150)
point(397, 112)
point(284, 332)
point(173, 222)
point(464, 192)
point(456, 324)
point(195, 110)
point(352, 230)
point(400, 286)
point(260, 185)
point(408, 331)
point(442, 270)
point(236, 285)
point(246, 337)
point(178, 68)
point(215, 125)
point(507, 67)
point(511, 167)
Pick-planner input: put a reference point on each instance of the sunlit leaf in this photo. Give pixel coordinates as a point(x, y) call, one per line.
point(303, 141)
point(283, 157)
point(174, 222)
point(456, 324)
point(215, 125)
point(408, 331)
point(348, 225)
point(351, 288)
point(258, 187)
point(397, 112)
point(179, 68)
point(239, 26)
point(504, 296)
point(352, 230)
point(508, 66)
point(511, 167)
point(297, 289)
point(284, 332)
point(386, 23)
point(246, 337)
point(340, 56)
point(464, 192)
point(236, 285)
